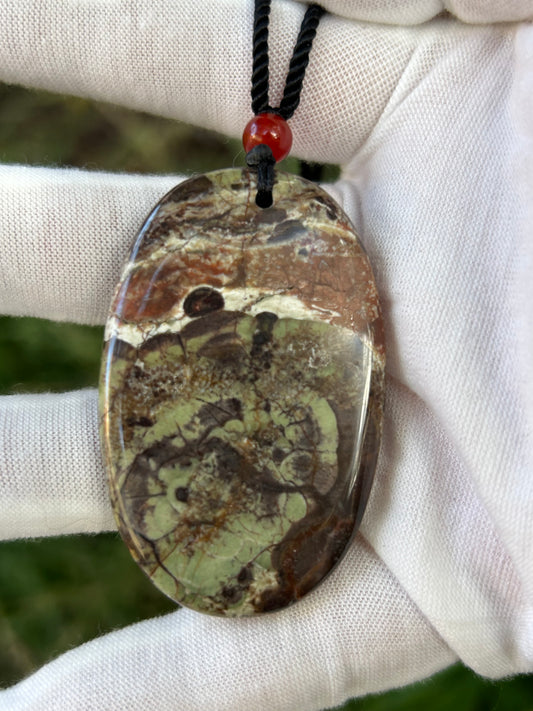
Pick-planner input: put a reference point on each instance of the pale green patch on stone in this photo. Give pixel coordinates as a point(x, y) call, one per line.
point(295, 508)
point(160, 518)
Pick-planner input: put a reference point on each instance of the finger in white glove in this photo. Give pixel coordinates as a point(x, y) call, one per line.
point(414, 12)
point(51, 477)
point(356, 634)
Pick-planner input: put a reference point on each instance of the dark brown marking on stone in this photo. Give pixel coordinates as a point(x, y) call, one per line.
point(189, 189)
point(265, 323)
point(232, 594)
point(154, 551)
point(141, 421)
point(209, 324)
point(160, 230)
point(270, 216)
point(306, 555)
point(278, 455)
point(245, 575)
point(286, 231)
point(302, 464)
point(261, 352)
point(274, 599)
point(215, 414)
point(224, 350)
point(161, 342)
point(202, 301)
point(332, 209)
point(229, 461)
point(318, 549)
point(141, 485)
point(182, 493)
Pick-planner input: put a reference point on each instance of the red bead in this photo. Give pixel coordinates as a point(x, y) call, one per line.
point(271, 129)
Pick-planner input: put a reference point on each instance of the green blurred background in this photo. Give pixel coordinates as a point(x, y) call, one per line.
point(58, 593)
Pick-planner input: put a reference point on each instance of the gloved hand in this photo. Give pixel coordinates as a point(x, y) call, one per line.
point(432, 125)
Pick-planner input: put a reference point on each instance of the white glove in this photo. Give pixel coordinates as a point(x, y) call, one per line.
point(433, 127)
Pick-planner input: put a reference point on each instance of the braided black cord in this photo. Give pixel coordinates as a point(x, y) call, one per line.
point(299, 61)
point(260, 57)
point(260, 158)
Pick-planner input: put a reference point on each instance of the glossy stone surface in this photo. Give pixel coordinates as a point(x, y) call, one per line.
point(241, 393)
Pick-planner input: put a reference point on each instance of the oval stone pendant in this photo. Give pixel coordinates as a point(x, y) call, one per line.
point(241, 392)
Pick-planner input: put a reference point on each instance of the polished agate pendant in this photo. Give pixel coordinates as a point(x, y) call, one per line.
point(241, 393)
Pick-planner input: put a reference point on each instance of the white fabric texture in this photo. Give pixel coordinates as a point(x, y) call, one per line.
point(433, 127)
point(414, 12)
point(311, 656)
point(76, 228)
point(52, 484)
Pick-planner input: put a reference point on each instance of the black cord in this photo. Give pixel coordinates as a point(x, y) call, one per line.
point(262, 160)
point(260, 57)
point(299, 61)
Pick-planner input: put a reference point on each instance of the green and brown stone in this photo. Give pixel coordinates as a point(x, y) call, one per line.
point(242, 392)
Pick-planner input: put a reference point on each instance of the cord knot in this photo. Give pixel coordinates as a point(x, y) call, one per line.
point(261, 160)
